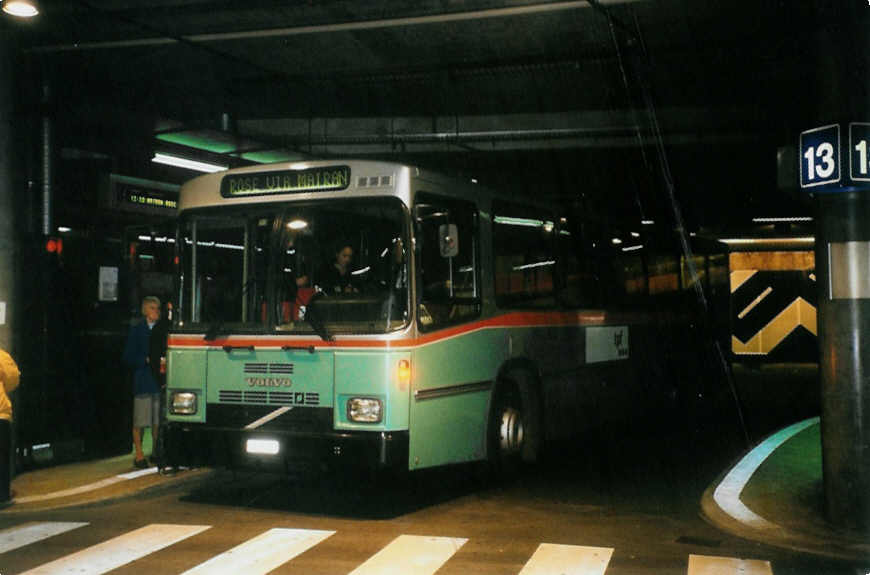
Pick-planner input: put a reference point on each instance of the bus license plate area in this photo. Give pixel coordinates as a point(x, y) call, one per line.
point(262, 446)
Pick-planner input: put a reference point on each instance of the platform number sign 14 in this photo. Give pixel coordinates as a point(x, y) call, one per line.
point(859, 149)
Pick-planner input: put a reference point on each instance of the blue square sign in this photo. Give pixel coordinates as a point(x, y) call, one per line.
point(820, 156)
point(859, 152)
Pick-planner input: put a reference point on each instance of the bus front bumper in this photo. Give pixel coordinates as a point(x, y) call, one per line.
point(195, 445)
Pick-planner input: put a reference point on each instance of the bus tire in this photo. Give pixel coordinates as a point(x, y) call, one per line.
point(507, 431)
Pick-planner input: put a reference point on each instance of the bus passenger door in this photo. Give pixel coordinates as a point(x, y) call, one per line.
point(455, 365)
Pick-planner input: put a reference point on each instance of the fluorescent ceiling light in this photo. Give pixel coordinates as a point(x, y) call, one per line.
point(171, 160)
point(782, 220)
point(161, 239)
point(534, 265)
point(750, 241)
point(20, 8)
point(518, 221)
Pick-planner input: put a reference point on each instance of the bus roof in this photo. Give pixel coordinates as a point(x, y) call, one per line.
point(321, 179)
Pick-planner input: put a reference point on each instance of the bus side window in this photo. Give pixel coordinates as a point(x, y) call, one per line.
point(524, 256)
point(582, 248)
point(448, 266)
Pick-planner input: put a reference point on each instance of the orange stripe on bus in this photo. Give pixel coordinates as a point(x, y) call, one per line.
point(515, 319)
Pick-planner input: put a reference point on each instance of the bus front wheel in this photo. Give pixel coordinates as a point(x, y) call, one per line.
point(507, 431)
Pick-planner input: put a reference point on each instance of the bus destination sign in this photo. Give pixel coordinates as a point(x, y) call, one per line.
point(145, 198)
point(324, 179)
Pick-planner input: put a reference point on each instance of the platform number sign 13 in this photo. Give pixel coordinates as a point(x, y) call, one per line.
point(820, 156)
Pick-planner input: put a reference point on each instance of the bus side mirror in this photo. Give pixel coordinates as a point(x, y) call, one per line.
point(448, 240)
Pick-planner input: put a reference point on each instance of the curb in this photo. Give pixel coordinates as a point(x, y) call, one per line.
point(722, 507)
point(107, 490)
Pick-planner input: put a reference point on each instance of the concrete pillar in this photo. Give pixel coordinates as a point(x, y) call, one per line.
point(842, 49)
point(843, 274)
point(8, 227)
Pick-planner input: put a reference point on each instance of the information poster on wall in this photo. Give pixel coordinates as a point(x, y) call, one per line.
point(108, 290)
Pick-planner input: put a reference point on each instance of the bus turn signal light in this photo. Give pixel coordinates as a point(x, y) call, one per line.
point(404, 373)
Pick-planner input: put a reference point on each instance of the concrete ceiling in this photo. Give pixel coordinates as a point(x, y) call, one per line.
point(510, 89)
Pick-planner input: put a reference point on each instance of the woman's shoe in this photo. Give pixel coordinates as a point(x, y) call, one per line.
point(140, 463)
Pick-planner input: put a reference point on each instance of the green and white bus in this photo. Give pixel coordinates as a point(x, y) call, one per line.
point(462, 332)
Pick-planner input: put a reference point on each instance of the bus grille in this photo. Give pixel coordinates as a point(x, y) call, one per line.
point(269, 397)
point(293, 398)
point(281, 368)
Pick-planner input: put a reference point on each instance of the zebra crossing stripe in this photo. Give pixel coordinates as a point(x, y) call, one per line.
point(710, 565)
point(16, 537)
point(550, 558)
point(119, 551)
point(405, 555)
point(263, 553)
point(411, 555)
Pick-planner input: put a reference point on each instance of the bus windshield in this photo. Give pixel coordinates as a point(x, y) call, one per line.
point(323, 268)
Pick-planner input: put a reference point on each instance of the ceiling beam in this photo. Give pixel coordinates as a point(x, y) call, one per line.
point(589, 129)
point(349, 26)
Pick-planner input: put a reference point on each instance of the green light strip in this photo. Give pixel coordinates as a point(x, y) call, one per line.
point(198, 142)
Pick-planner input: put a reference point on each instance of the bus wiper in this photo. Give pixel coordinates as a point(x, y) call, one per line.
point(313, 320)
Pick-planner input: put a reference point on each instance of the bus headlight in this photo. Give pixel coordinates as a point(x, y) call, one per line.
point(364, 409)
point(182, 403)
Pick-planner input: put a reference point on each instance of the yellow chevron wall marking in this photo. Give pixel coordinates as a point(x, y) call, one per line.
point(739, 277)
point(798, 312)
point(754, 303)
point(772, 261)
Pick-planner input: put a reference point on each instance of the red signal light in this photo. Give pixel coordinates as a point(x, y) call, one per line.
point(54, 245)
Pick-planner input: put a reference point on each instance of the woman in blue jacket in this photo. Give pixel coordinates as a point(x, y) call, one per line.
point(146, 391)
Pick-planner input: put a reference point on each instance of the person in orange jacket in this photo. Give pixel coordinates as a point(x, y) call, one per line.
point(9, 378)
